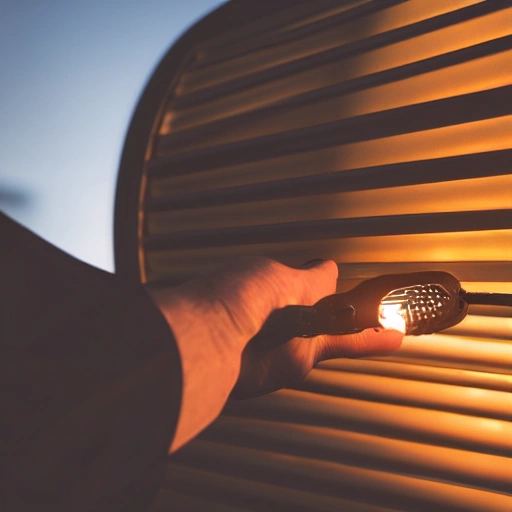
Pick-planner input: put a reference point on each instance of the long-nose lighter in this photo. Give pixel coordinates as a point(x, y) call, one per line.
point(415, 303)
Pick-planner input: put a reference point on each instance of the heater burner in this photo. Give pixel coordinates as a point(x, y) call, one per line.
point(414, 309)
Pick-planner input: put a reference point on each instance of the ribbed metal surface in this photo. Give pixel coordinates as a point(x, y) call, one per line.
point(378, 134)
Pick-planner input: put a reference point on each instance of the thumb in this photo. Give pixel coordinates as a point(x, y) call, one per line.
point(317, 279)
point(367, 342)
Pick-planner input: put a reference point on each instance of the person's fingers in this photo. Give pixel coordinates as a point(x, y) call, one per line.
point(272, 369)
point(317, 279)
point(367, 342)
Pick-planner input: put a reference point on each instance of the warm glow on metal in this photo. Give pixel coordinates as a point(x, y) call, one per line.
point(393, 316)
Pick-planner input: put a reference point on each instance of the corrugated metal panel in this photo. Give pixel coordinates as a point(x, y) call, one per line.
point(378, 134)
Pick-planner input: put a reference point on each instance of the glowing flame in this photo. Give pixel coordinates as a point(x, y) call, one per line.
point(393, 316)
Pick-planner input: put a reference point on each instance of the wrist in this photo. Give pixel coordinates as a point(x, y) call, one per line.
point(210, 353)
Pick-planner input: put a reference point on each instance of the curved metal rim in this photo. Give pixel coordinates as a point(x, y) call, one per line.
point(144, 124)
point(140, 135)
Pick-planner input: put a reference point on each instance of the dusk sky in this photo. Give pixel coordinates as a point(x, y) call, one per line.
point(71, 74)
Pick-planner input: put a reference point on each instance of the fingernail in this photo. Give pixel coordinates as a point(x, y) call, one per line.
point(312, 263)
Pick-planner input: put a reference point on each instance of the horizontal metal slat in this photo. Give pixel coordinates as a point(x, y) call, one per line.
point(269, 87)
point(485, 327)
point(350, 274)
point(505, 286)
point(458, 352)
point(476, 366)
point(353, 273)
point(302, 67)
point(468, 138)
point(426, 395)
point(167, 501)
point(275, 22)
point(333, 12)
point(353, 448)
point(318, 20)
point(424, 373)
point(433, 427)
point(193, 121)
point(486, 72)
point(258, 496)
point(486, 310)
point(437, 170)
point(308, 40)
point(335, 228)
point(413, 118)
point(474, 247)
point(333, 479)
point(452, 196)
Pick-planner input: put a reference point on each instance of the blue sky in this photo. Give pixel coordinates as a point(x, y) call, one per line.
point(71, 74)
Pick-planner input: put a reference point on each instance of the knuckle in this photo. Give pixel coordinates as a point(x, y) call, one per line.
point(332, 266)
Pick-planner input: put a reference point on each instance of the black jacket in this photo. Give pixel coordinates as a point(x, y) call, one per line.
point(90, 383)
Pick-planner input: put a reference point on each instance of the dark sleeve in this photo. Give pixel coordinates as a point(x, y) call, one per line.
point(90, 383)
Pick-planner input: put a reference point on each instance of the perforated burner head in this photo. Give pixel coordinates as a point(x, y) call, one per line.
point(414, 303)
point(420, 309)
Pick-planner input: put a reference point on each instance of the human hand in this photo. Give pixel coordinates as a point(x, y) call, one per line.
point(216, 318)
point(266, 367)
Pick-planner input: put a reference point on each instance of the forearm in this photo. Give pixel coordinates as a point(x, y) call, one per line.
point(210, 353)
point(90, 382)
